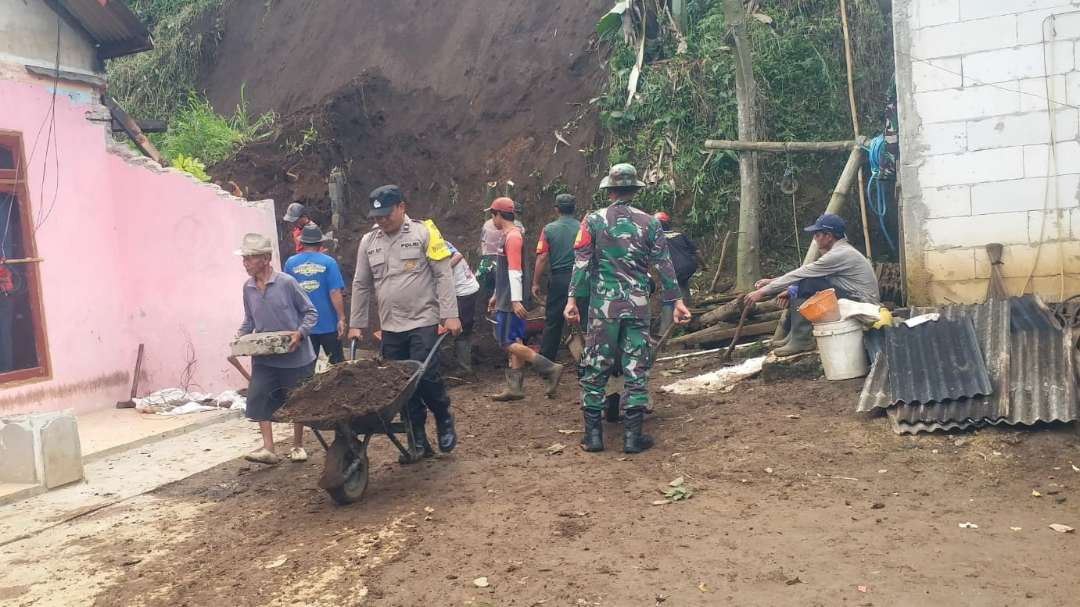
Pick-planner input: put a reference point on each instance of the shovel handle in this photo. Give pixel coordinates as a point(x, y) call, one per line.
point(352, 348)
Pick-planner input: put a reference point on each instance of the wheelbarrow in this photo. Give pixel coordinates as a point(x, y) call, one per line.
point(345, 473)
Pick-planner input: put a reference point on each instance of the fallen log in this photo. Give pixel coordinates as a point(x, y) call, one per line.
point(732, 310)
point(721, 333)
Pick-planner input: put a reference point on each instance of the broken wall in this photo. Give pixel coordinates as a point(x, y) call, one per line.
point(982, 86)
point(133, 254)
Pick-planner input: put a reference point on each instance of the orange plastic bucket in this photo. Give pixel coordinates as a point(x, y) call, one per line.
point(821, 307)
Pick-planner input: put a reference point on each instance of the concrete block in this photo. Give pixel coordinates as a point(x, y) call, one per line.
point(1066, 159)
point(969, 103)
point(927, 13)
point(1034, 94)
point(936, 74)
point(950, 264)
point(976, 231)
point(1020, 261)
point(964, 37)
point(1033, 27)
point(972, 167)
point(255, 344)
point(944, 138)
point(1045, 226)
point(18, 452)
point(1009, 64)
point(978, 9)
point(947, 202)
point(61, 451)
point(1028, 194)
point(1021, 129)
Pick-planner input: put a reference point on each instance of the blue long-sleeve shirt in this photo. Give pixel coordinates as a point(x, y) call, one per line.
point(283, 306)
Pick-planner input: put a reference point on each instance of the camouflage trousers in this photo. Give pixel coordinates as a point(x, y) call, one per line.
point(606, 340)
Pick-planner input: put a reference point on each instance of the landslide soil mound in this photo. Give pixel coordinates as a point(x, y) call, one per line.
point(438, 97)
point(347, 390)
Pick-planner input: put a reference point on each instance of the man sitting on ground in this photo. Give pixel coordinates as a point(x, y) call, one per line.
point(841, 267)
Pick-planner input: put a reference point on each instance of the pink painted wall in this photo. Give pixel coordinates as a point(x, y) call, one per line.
point(133, 254)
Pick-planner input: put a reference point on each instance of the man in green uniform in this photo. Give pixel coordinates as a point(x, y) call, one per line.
point(614, 248)
point(556, 249)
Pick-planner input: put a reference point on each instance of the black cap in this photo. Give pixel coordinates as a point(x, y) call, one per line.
point(311, 234)
point(383, 200)
point(565, 201)
point(828, 223)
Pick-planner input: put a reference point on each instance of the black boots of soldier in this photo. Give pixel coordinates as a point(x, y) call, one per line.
point(633, 440)
point(446, 438)
point(594, 432)
point(421, 448)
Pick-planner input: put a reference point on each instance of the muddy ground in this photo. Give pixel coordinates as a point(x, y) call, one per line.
point(797, 501)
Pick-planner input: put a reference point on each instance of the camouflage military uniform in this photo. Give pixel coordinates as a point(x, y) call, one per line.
point(614, 249)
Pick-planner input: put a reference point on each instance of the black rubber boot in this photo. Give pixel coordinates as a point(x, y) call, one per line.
point(633, 440)
point(447, 436)
point(423, 447)
point(594, 432)
point(550, 371)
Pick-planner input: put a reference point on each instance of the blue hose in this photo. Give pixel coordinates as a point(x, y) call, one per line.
point(877, 202)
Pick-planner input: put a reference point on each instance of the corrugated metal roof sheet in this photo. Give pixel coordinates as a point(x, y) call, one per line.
point(935, 361)
point(116, 30)
point(1042, 384)
point(1030, 358)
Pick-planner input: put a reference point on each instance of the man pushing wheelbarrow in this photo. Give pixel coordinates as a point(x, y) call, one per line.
point(407, 268)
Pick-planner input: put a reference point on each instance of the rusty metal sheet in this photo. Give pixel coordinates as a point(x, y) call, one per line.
point(1042, 380)
point(935, 362)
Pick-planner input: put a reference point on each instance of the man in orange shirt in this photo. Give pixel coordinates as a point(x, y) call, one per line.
point(509, 310)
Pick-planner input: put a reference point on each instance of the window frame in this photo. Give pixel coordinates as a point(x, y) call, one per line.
point(15, 181)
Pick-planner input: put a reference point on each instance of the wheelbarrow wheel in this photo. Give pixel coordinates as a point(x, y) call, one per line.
point(352, 471)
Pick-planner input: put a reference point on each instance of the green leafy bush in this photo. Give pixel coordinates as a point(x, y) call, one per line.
point(191, 165)
point(198, 132)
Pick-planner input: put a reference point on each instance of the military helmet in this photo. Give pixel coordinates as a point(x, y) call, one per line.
point(622, 175)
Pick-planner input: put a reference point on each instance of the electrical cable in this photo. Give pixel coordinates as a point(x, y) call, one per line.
point(877, 203)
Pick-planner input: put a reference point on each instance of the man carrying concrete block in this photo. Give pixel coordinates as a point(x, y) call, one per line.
point(274, 301)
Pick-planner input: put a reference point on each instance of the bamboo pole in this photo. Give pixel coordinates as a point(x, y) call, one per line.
point(23, 260)
point(854, 121)
point(779, 146)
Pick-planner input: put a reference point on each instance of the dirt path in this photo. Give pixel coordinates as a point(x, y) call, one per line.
point(825, 508)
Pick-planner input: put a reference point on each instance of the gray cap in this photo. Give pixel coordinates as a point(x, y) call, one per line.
point(293, 213)
point(311, 234)
point(255, 244)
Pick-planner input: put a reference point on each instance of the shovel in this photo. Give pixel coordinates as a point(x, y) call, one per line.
point(130, 402)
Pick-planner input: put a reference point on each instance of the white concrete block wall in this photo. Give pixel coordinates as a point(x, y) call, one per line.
point(984, 86)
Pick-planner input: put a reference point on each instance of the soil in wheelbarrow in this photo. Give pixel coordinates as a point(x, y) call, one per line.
point(349, 389)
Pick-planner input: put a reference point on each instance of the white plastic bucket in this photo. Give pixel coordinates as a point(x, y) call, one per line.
point(840, 344)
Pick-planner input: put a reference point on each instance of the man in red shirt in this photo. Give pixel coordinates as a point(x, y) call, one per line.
point(510, 313)
point(296, 215)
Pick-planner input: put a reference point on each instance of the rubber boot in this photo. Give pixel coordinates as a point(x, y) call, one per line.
point(515, 379)
point(463, 354)
point(633, 440)
point(800, 337)
point(594, 432)
point(550, 371)
point(611, 408)
point(785, 328)
point(446, 434)
point(423, 447)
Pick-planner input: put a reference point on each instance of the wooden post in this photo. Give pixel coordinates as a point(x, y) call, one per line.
point(748, 261)
point(779, 146)
point(337, 196)
point(720, 264)
point(132, 129)
point(855, 121)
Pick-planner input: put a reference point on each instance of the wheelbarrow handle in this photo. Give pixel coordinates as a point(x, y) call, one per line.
point(434, 350)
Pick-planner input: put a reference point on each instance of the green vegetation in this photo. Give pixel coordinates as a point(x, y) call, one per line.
point(200, 133)
point(163, 83)
point(684, 99)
